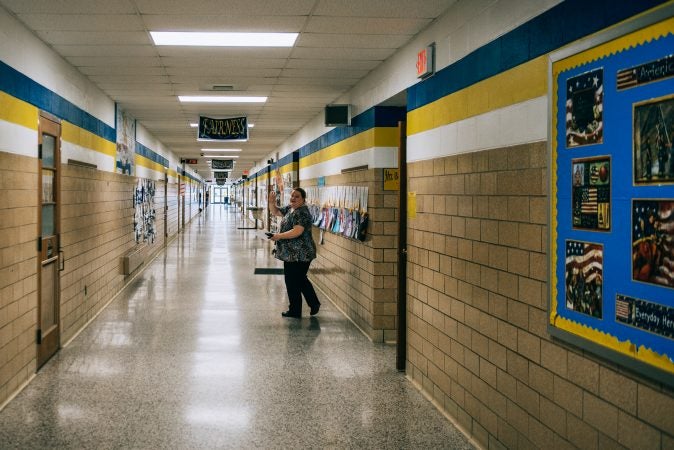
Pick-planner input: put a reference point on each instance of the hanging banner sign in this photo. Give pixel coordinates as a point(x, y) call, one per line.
point(222, 164)
point(229, 129)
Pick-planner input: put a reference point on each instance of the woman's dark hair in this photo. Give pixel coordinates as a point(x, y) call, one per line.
point(302, 193)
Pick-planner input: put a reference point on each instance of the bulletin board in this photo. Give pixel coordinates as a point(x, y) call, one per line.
point(612, 195)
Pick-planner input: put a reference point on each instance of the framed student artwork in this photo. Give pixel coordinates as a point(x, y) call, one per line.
point(612, 195)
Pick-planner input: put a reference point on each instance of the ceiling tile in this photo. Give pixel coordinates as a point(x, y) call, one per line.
point(82, 22)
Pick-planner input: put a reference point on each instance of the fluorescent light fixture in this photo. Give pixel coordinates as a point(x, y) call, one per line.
point(220, 149)
point(251, 125)
point(213, 39)
point(221, 156)
point(220, 99)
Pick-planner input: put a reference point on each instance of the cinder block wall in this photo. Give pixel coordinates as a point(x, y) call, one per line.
point(159, 206)
point(360, 277)
point(18, 270)
point(477, 299)
point(172, 212)
point(96, 231)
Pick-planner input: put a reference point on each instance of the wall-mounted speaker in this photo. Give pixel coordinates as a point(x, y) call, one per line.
point(338, 115)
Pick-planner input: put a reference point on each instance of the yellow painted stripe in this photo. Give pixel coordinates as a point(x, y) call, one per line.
point(386, 137)
point(172, 173)
point(86, 139)
point(374, 137)
point(17, 111)
point(524, 82)
point(290, 167)
point(141, 160)
point(353, 144)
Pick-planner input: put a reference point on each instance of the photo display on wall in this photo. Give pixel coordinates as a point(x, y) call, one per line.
point(612, 196)
point(591, 194)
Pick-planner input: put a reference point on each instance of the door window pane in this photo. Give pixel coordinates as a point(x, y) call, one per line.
point(48, 223)
point(47, 186)
point(48, 148)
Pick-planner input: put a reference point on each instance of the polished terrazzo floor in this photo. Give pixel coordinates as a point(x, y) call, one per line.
point(194, 354)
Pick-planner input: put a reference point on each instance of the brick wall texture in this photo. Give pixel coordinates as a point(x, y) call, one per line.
point(360, 277)
point(18, 271)
point(477, 301)
point(97, 229)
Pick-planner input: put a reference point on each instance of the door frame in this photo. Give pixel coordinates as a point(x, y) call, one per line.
point(401, 342)
point(48, 338)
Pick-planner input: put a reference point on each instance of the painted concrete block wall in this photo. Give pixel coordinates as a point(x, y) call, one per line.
point(172, 216)
point(477, 299)
point(360, 277)
point(97, 204)
point(96, 217)
point(18, 270)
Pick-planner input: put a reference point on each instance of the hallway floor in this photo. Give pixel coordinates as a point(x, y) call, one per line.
point(194, 354)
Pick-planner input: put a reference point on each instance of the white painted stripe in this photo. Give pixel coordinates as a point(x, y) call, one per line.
point(374, 157)
point(150, 174)
point(516, 124)
point(17, 139)
point(103, 162)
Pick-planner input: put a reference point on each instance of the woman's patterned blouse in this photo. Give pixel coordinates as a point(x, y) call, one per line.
point(302, 248)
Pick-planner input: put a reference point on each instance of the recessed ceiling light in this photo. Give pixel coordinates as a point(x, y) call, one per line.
point(220, 99)
point(221, 156)
point(220, 149)
point(223, 39)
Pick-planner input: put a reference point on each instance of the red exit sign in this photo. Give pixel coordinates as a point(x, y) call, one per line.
point(426, 61)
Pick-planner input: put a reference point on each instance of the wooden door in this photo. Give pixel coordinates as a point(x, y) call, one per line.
point(49, 256)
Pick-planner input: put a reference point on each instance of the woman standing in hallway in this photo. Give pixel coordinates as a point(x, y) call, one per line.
point(296, 248)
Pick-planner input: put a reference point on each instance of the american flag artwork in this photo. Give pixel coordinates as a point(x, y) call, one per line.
point(584, 277)
point(653, 241)
point(591, 193)
point(584, 109)
point(589, 201)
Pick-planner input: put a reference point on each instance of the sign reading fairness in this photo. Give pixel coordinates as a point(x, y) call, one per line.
point(229, 129)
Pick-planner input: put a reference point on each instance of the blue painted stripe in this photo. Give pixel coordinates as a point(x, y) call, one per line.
point(151, 155)
point(20, 86)
point(378, 116)
point(184, 173)
point(558, 26)
point(288, 159)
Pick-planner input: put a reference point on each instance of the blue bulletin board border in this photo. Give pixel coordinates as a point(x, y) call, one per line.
point(594, 293)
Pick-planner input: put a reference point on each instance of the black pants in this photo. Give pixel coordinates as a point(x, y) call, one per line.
point(297, 284)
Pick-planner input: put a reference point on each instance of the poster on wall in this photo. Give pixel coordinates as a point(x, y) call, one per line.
point(144, 212)
point(591, 193)
point(126, 143)
point(653, 242)
point(584, 108)
point(652, 146)
point(612, 197)
point(584, 267)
